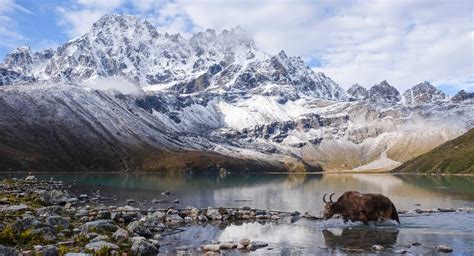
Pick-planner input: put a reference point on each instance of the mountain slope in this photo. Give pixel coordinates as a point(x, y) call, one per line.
point(125, 97)
point(454, 156)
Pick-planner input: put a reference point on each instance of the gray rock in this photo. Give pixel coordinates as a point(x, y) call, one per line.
point(77, 254)
point(254, 245)
point(13, 209)
point(120, 235)
point(400, 251)
point(46, 233)
point(95, 246)
point(213, 214)
point(377, 247)
point(48, 197)
point(444, 248)
point(8, 251)
point(99, 226)
point(144, 248)
point(227, 246)
point(57, 221)
point(100, 238)
point(31, 178)
point(174, 218)
point(138, 227)
point(49, 250)
point(244, 242)
point(211, 247)
point(50, 210)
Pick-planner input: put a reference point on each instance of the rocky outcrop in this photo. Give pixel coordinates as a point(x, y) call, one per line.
point(358, 92)
point(462, 95)
point(423, 93)
point(384, 93)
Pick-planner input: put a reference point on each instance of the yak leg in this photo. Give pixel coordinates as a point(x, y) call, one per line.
point(364, 218)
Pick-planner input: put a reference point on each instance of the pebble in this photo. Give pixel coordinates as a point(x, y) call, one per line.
point(444, 248)
point(377, 247)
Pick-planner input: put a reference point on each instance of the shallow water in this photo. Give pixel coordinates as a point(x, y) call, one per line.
point(299, 192)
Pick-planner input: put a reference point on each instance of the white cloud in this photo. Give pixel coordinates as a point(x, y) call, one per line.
point(115, 85)
point(78, 16)
point(9, 36)
point(404, 42)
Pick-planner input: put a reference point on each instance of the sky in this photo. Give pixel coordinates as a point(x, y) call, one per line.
point(403, 42)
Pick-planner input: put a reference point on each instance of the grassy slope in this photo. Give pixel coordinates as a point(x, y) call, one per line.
point(454, 156)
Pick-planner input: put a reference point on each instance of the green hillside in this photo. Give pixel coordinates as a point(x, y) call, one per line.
point(454, 156)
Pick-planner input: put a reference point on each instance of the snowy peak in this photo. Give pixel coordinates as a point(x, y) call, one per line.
point(423, 93)
point(462, 95)
point(123, 25)
point(384, 93)
point(358, 92)
point(19, 60)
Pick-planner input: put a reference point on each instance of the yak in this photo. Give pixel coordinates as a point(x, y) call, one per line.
point(355, 206)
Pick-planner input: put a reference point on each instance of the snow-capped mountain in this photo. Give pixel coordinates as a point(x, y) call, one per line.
point(423, 93)
point(124, 96)
point(358, 92)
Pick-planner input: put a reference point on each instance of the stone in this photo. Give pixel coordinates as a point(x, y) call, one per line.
point(95, 246)
point(400, 251)
point(48, 197)
point(139, 228)
point(13, 209)
point(228, 246)
point(254, 245)
point(166, 193)
point(100, 238)
point(213, 214)
point(416, 244)
point(49, 250)
point(241, 247)
point(377, 247)
point(130, 201)
point(244, 242)
point(77, 254)
point(8, 251)
point(27, 253)
point(83, 196)
point(31, 178)
point(144, 248)
point(444, 248)
point(120, 235)
point(211, 247)
point(176, 201)
point(202, 218)
point(57, 221)
point(99, 226)
point(446, 209)
point(174, 218)
point(46, 233)
point(37, 247)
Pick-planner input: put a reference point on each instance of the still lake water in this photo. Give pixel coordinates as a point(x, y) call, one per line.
point(299, 192)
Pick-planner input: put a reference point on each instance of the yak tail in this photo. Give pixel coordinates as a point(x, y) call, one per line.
point(394, 215)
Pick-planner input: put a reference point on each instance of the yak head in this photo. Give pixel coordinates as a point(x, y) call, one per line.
point(329, 208)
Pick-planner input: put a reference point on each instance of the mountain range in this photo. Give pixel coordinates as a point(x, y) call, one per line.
point(125, 97)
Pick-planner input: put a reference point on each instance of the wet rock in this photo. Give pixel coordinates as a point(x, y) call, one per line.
point(49, 250)
point(83, 197)
point(130, 201)
point(377, 247)
point(254, 245)
point(211, 247)
point(120, 235)
point(244, 242)
point(444, 248)
point(31, 178)
point(176, 201)
point(95, 246)
point(57, 221)
point(8, 251)
point(143, 247)
point(400, 251)
point(227, 246)
point(139, 228)
point(202, 218)
point(99, 226)
point(446, 209)
point(174, 218)
point(213, 214)
point(416, 244)
point(166, 193)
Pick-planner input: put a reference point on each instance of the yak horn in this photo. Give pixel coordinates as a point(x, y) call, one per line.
point(324, 198)
point(330, 197)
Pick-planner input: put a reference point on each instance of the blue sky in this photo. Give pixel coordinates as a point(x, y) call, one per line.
point(404, 42)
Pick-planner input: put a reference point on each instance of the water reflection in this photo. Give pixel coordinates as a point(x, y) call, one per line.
point(360, 237)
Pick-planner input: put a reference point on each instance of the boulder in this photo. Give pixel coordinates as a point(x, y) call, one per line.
point(211, 247)
point(57, 221)
point(144, 248)
point(31, 179)
point(120, 235)
point(13, 209)
point(95, 246)
point(99, 226)
point(213, 214)
point(49, 197)
point(139, 228)
point(8, 251)
point(49, 250)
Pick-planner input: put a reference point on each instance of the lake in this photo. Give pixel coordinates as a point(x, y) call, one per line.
point(303, 193)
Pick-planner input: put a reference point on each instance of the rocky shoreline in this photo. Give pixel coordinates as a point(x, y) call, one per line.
point(40, 217)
